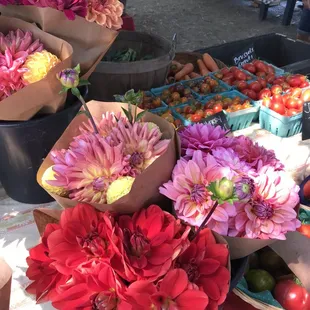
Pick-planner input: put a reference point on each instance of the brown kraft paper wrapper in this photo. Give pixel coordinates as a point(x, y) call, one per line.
point(5, 285)
point(90, 41)
point(42, 96)
point(145, 189)
point(242, 247)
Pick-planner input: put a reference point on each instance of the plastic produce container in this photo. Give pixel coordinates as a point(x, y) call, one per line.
point(277, 49)
point(279, 125)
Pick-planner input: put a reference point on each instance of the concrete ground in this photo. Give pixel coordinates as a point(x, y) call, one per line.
point(203, 23)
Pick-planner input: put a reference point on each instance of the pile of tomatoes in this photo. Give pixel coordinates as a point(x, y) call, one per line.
point(252, 89)
point(262, 70)
point(167, 115)
point(232, 76)
point(176, 94)
point(290, 81)
point(287, 104)
point(205, 86)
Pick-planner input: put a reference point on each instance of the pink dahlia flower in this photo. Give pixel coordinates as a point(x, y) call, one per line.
point(188, 191)
point(256, 156)
point(106, 13)
point(203, 137)
point(88, 168)
point(270, 213)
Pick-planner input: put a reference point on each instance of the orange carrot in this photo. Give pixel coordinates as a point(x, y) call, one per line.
point(209, 62)
point(176, 67)
point(202, 67)
point(194, 75)
point(186, 77)
point(187, 69)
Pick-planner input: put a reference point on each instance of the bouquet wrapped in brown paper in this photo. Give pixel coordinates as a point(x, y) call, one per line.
point(5, 285)
point(28, 81)
point(119, 169)
point(90, 41)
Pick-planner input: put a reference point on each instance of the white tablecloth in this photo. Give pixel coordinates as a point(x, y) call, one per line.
point(18, 232)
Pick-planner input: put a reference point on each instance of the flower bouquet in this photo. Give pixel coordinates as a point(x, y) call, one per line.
point(92, 21)
point(114, 163)
point(29, 62)
point(104, 260)
point(234, 186)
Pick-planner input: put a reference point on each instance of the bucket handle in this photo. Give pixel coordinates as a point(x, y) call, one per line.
point(173, 46)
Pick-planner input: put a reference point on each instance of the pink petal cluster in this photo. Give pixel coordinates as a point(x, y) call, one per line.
point(92, 162)
point(100, 260)
point(268, 195)
point(106, 13)
point(15, 47)
point(270, 213)
point(188, 191)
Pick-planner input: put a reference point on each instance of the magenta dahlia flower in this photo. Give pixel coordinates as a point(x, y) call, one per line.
point(188, 191)
point(203, 137)
point(270, 213)
point(256, 156)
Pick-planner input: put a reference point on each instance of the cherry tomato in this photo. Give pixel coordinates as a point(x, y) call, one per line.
point(217, 108)
point(285, 86)
point(239, 75)
point(305, 97)
point(249, 67)
point(225, 71)
point(228, 80)
point(277, 98)
point(260, 66)
point(291, 103)
point(296, 92)
point(208, 112)
point(278, 108)
point(255, 86)
point(195, 118)
point(300, 104)
point(261, 74)
point(241, 85)
point(233, 69)
point(200, 112)
point(294, 81)
point(305, 230)
point(250, 93)
point(285, 97)
point(262, 82)
point(264, 93)
point(270, 78)
point(278, 81)
point(276, 89)
point(292, 112)
point(304, 84)
point(292, 296)
point(270, 69)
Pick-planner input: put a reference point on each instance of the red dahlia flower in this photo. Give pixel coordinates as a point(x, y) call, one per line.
point(83, 236)
point(151, 240)
point(205, 263)
point(174, 292)
point(41, 270)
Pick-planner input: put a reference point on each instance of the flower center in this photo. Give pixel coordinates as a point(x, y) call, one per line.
point(92, 244)
point(245, 188)
point(262, 209)
point(99, 184)
point(136, 244)
point(192, 271)
point(105, 300)
point(136, 159)
point(198, 193)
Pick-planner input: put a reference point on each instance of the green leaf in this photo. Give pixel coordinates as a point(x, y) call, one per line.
point(128, 115)
point(119, 98)
point(63, 90)
point(77, 68)
point(83, 83)
point(76, 92)
point(140, 115)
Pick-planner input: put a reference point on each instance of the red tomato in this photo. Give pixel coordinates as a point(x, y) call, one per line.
point(267, 102)
point(304, 84)
point(305, 97)
point(227, 79)
point(294, 81)
point(264, 93)
point(260, 66)
point(278, 108)
point(217, 108)
point(270, 78)
point(277, 98)
point(292, 112)
point(285, 86)
point(285, 97)
point(300, 104)
point(250, 93)
point(233, 69)
point(261, 74)
point(276, 89)
point(270, 69)
point(291, 103)
point(241, 85)
point(296, 92)
point(208, 112)
point(249, 67)
point(255, 86)
point(225, 71)
point(292, 296)
point(195, 118)
point(239, 75)
point(262, 82)
point(305, 230)
point(278, 81)
point(200, 112)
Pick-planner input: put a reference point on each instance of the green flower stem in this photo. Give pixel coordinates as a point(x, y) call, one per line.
point(77, 93)
point(201, 227)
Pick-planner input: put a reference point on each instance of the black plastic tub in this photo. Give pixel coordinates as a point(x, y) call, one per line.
point(283, 52)
point(238, 268)
point(23, 147)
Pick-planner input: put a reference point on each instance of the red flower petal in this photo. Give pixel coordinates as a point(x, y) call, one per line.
point(39, 253)
point(160, 254)
point(191, 299)
point(160, 238)
point(218, 252)
point(210, 287)
point(174, 283)
point(208, 266)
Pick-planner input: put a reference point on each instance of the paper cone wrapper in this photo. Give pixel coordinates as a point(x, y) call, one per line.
point(43, 216)
point(41, 96)
point(90, 41)
point(5, 285)
point(145, 189)
point(242, 247)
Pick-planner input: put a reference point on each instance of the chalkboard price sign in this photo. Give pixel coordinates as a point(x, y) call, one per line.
point(244, 56)
point(218, 119)
point(306, 121)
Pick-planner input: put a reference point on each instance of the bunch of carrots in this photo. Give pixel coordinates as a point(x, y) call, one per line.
point(179, 72)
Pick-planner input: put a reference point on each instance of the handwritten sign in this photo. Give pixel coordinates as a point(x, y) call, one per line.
point(306, 121)
point(245, 56)
point(218, 119)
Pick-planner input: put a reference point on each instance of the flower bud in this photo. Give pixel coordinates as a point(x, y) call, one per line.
point(223, 189)
point(69, 78)
point(244, 188)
